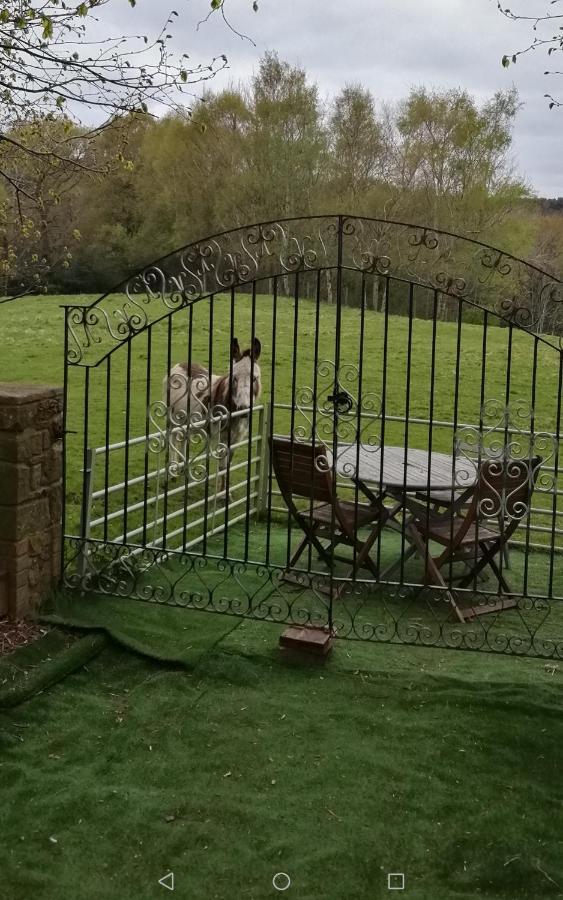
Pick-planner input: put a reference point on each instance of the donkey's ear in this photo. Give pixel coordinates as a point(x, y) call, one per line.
point(256, 348)
point(235, 350)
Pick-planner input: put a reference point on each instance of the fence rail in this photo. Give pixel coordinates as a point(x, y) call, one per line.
point(159, 515)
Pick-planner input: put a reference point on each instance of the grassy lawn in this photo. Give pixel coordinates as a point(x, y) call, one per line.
point(235, 766)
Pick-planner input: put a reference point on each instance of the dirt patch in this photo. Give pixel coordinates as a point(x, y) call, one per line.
point(14, 635)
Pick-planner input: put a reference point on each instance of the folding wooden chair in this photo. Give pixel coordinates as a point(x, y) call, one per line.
point(304, 473)
point(503, 491)
point(441, 502)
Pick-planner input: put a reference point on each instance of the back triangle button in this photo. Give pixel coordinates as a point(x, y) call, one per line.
point(167, 881)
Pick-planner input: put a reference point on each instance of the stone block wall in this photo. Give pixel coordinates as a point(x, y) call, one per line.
point(30, 494)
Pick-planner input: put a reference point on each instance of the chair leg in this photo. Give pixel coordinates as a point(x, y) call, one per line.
point(505, 601)
point(501, 579)
point(363, 559)
point(432, 569)
point(505, 549)
point(309, 538)
point(488, 555)
point(304, 543)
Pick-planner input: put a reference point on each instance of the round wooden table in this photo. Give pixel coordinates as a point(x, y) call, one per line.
point(406, 477)
point(422, 472)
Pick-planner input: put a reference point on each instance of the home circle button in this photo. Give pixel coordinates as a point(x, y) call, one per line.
point(281, 881)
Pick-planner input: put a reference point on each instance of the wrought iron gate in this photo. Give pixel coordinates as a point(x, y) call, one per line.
point(413, 357)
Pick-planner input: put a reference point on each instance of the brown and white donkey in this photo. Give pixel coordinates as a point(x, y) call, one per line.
point(207, 404)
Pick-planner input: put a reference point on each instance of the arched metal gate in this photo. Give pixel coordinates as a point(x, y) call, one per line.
point(416, 359)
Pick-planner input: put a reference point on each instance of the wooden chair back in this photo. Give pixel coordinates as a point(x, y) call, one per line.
point(504, 488)
point(301, 470)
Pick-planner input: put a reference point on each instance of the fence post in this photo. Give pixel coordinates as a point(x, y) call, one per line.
point(31, 495)
point(263, 465)
point(86, 513)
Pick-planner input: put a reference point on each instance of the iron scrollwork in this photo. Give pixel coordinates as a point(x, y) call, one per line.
point(507, 441)
point(335, 409)
point(518, 292)
point(188, 433)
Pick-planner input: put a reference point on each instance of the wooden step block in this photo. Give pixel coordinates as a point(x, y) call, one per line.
point(314, 641)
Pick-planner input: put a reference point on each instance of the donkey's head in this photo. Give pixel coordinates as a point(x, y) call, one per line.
point(246, 376)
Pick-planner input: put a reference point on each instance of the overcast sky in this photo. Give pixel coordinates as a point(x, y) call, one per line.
point(389, 46)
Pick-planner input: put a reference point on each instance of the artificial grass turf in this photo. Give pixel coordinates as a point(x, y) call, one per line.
point(444, 766)
point(42, 663)
point(168, 637)
point(366, 613)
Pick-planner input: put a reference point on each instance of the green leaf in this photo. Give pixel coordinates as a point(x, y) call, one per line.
point(132, 2)
point(82, 10)
point(183, 75)
point(215, 4)
point(47, 24)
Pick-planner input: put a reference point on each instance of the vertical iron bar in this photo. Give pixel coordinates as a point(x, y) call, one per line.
point(169, 427)
point(455, 421)
point(556, 475)
point(315, 403)
point(506, 433)
point(210, 416)
point(86, 517)
point(147, 433)
point(529, 463)
point(359, 417)
point(127, 423)
point(480, 447)
point(65, 447)
point(406, 431)
point(250, 425)
point(431, 419)
point(293, 386)
point(386, 295)
point(187, 443)
point(107, 453)
point(84, 550)
point(338, 330)
point(272, 413)
point(227, 484)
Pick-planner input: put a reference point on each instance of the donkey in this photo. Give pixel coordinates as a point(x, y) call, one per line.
point(205, 404)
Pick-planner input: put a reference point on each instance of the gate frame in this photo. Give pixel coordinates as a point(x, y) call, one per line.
point(205, 267)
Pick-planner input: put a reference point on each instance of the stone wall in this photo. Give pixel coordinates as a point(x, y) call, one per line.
point(30, 494)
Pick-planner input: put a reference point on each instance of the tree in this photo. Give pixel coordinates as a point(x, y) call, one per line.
point(548, 36)
point(356, 144)
point(286, 141)
point(51, 70)
point(454, 158)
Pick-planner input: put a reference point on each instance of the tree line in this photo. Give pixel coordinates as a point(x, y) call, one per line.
point(268, 148)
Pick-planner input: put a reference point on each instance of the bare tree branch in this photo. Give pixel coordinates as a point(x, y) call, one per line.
point(54, 73)
point(551, 42)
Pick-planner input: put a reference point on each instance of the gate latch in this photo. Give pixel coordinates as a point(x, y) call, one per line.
point(342, 401)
